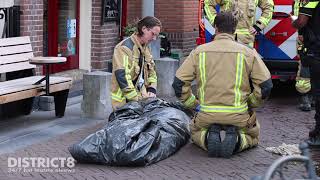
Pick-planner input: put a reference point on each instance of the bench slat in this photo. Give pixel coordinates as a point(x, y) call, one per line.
point(16, 67)
point(33, 92)
point(15, 49)
point(15, 58)
point(26, 83)
point(14, 41)
point(15, 53)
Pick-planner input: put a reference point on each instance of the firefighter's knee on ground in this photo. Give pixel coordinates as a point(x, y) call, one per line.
point(218, 147)
point(199, 137)
point(249, 135)
point(235, 139)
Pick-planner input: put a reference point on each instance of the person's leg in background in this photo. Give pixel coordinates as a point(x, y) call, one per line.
point(303, 86)
point(314, 134)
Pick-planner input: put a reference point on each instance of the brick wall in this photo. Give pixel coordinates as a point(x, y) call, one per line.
point(32, 23)
point(104, 38)
point(134, 10)
point(180, 21)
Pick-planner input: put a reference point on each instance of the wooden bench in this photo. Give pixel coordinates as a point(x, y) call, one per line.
point(20, 90)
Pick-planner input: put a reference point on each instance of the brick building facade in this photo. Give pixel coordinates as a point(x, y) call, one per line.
point(179, 19)
point(97, 41)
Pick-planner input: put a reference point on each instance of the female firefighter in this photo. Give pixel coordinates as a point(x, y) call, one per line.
point(133, 69)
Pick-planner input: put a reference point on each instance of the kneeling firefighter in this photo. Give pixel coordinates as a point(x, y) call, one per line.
point(231, 80)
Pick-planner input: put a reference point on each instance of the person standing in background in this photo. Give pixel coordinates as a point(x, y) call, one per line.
point(308, 22)
point(245, 12)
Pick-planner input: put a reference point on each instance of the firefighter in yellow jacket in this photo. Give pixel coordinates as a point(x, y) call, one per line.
point(133, 69)
point(245, 11)
point(224, 71)
point(303, 84)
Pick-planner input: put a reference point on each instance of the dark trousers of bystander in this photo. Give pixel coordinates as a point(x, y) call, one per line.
point(312, 60)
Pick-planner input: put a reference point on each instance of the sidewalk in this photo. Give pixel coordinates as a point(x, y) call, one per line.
point(279, 120)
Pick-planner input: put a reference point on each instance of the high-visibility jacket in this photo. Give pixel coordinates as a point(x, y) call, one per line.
point(303, 84)
point(311, 31)
point(133, 72)
point(223, 70)
point(245, 10)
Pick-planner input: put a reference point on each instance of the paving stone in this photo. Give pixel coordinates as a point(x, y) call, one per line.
point(278, 122)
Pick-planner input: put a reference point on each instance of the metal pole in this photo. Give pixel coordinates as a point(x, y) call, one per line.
point(47, 80)
point(147, 8)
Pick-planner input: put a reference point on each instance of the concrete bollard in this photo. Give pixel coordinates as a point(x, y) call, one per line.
point(166, 69)
point(96, 102)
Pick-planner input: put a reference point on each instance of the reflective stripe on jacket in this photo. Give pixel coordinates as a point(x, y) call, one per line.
point(128, 58)
point(245, 10)
point(223, 70)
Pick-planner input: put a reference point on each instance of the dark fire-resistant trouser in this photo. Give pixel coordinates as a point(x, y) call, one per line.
point(249, 135)
point(312, 60)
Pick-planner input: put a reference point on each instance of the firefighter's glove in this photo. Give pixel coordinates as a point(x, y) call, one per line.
point(303, 86)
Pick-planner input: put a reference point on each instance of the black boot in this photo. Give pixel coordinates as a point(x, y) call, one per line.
point(315, 141)
point(214, 141)
point(305, 103)
point(225, 148)
point(230, 141)
point(315, 132)
point(314, 135)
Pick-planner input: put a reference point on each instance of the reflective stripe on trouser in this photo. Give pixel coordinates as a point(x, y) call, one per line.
point(199, 137)
point(244, 36)
point(303, 84)
point(249, 135)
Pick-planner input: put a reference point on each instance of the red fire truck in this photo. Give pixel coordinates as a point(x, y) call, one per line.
point(276, 43)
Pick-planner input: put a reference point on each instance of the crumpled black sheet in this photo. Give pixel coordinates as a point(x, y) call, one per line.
point(138, 134)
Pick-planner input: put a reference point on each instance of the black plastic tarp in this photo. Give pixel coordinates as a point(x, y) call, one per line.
point(138, 134)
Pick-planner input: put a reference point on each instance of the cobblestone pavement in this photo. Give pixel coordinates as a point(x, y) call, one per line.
point(280, 122)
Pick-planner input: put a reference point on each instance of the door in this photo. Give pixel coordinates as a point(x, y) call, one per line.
point(63, 32)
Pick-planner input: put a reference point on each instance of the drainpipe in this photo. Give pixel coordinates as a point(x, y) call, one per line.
point(147, 8)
